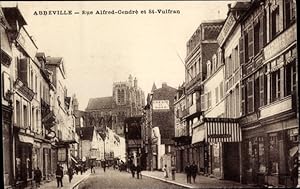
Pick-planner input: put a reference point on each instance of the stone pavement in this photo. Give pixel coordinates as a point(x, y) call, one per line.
point(201, 181)
point(66, 185)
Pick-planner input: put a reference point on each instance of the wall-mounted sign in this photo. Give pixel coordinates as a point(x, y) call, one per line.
point(160, 105)
point(27, 44)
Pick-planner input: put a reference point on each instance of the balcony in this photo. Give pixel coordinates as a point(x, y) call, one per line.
point(277, 107)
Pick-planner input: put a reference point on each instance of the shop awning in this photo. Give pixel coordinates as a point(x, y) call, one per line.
point(222, 130)
point(198, 134)
point(26, 139)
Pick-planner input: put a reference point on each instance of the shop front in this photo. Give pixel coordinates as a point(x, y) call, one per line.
point(23, 160)
point(271, 154)
point(218, 142)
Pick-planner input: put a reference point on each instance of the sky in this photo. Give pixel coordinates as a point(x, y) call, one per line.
point(101, 49)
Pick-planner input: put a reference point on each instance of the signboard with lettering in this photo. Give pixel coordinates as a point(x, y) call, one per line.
point(26, 43)
point(160, 105)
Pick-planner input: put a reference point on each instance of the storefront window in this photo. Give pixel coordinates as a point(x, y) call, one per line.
point(261, 155)
point(292, 145)
point(273, 154)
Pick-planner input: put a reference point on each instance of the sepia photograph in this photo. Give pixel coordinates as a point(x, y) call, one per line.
point(149, 94)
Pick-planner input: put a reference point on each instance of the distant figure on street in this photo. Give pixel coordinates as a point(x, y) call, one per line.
point(194, 171)
point(165, 170)
point(37, 177)
point(92, 169)
point(187, 170)
point(132, 169)
point(70, 173)
point(59, 175)
point(138, 171)
point(104, 166)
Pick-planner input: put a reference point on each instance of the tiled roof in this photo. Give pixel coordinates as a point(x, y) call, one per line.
point(85, 133)
point(100, 103)
point(54, 60)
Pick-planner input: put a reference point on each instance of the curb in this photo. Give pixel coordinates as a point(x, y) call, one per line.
point(75, 186)
point(169, 181)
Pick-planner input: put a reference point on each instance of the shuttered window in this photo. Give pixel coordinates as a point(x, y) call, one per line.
point(250, 95)
point(221, 90)
point(251, 42)
point(241, 48)
point(256, 38)
point(203, 102)
point(246, 47)
point(262, 31)
point(23, 70)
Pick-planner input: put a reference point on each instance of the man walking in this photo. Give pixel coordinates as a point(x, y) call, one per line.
point(70, 173)
point(59, 175)
point(37, 177)
point(194, 171)
point(187, 170)
point(138, 171)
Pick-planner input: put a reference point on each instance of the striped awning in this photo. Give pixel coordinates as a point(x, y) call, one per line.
point(222, 130)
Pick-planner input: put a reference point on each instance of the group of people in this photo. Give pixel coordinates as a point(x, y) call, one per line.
point(60, 174)
point(191, 171)
point(136, 169)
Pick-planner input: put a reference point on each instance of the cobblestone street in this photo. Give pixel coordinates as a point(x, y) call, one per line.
point(116, 179)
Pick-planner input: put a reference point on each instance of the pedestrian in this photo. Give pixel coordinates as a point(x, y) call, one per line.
point(194, 171)
point(104, 166)
point(92, 166)
point(132, 169)
point(138, 171)
point(59, 176)
point(165, 170)
point(37, 177)
point(187, 170)
point(70, 173)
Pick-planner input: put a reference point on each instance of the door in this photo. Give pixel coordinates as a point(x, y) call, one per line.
point(231, 164)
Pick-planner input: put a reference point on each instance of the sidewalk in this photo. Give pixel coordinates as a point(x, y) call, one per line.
point(66, 185)
point(201, 181)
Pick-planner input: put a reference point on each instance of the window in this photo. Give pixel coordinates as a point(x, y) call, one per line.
point(290, 78)
point(246, 50)
point(256, 92)
point(275, 82)
point(208, 99)
point(274, 22)
point(250, 97)
point(221, 90)
point(290, 12)
point(217, 94)
point(262, 88)
point(18, 113)
point(261, 155)
point(244, 99)
point(273, 154)
point(256, 38)
point(203, 102)
point(208, 68)
point(25, 116)
point(237, 94)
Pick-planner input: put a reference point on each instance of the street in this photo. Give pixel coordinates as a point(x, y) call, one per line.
point(116, 179)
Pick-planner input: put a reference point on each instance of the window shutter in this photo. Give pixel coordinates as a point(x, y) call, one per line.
point(242, 52)
point(261, 32)
point(23, 70)
point(243, 99)
point(203, 102)
point(250, 42)
point(250, 94)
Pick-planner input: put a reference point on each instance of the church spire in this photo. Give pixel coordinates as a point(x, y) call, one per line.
point(153, 87)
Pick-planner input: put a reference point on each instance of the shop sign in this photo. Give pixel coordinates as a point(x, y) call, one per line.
point(230, 21)
point(280, 43)
point(160, 105)
point(26, 43)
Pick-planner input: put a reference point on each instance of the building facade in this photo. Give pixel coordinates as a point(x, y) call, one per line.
point(269, 94)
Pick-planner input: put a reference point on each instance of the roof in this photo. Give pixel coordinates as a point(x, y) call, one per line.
point(54, 60)
point(100, 103)
point(85, 133)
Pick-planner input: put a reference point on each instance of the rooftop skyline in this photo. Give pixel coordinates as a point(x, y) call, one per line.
point(101, 49)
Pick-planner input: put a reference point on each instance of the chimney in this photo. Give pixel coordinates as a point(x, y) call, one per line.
point(164, 84)
point(229, 6)
point(135, 82)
